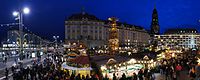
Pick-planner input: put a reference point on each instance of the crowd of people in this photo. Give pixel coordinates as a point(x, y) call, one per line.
point(49, 68)
point(143, 74)
point(173, 68)
point(46, 69)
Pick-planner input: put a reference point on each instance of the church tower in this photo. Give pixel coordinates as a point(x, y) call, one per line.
point(155, 29)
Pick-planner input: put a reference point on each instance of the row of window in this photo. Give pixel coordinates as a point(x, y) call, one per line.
point(86, 22)
point(84, 31)
point(87, 38)
point(85, 27)
point(179, 36)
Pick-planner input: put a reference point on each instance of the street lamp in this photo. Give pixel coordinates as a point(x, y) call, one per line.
point(56, 41)
point(19, 17)
point(15, 13)
point(26, 10)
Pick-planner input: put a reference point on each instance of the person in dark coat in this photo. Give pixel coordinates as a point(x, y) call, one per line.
point(78, 77)
point(134, 77)
point(123, 77)
point(87, 77)
point(114, 77)
point(83, 77)
point(6, 73)
point(140, 74)
point(72, 77)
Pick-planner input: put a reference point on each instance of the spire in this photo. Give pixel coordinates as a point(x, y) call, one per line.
point(154, 24)
point(83, 10)
point(154, 5)
point(154, 9)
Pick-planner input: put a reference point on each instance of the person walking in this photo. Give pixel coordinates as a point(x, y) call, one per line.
point(161, 69)
point(123, 77)
point(174, 76)
point(140, 74)
point(6, 73)
point(134, 77)
point(192, 74)
point(178, 69)
point(197, 71)
point(114, 77)
point(78, 77)
point(145, 73)
point(6, 59)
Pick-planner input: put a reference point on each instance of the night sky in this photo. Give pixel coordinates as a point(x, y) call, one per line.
point(47, 16)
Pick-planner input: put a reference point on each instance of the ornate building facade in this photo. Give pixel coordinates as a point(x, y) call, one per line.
point(94, 32)
point(85, 28)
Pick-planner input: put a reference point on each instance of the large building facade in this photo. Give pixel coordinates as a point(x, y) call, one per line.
point(94, 32)
point(85, 28)
point(178, 39)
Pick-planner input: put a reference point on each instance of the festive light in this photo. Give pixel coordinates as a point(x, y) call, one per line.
point(198, 60)
point(26, 10)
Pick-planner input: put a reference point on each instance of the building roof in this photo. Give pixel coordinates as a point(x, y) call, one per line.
point(82, 60)
point(89, 17)
point(126, 25)
point(181, 31)
point(83, 15)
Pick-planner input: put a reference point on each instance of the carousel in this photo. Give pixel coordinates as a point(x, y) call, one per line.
point(77, 63)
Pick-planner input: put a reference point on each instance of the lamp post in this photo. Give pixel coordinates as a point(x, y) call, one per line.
point(56, 42)
point(19, 17)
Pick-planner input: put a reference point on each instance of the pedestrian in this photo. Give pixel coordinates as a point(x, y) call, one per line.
point(114, 77)
point(161, 69)
point(27, 56)
point(134, 77)
point(192, 74)
point(3, 59)
point(118, 76)
point(93, 77)
point(140, 74)
point(123, 77)
point(72, 77)
point(83, 77)
point(12, 69)
point(167, 73)
point(78, 77)
point(6, 73)
point(197, 71)
point(178, 69)
point(174, 77)
point(87, 77)
point(145, 73)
